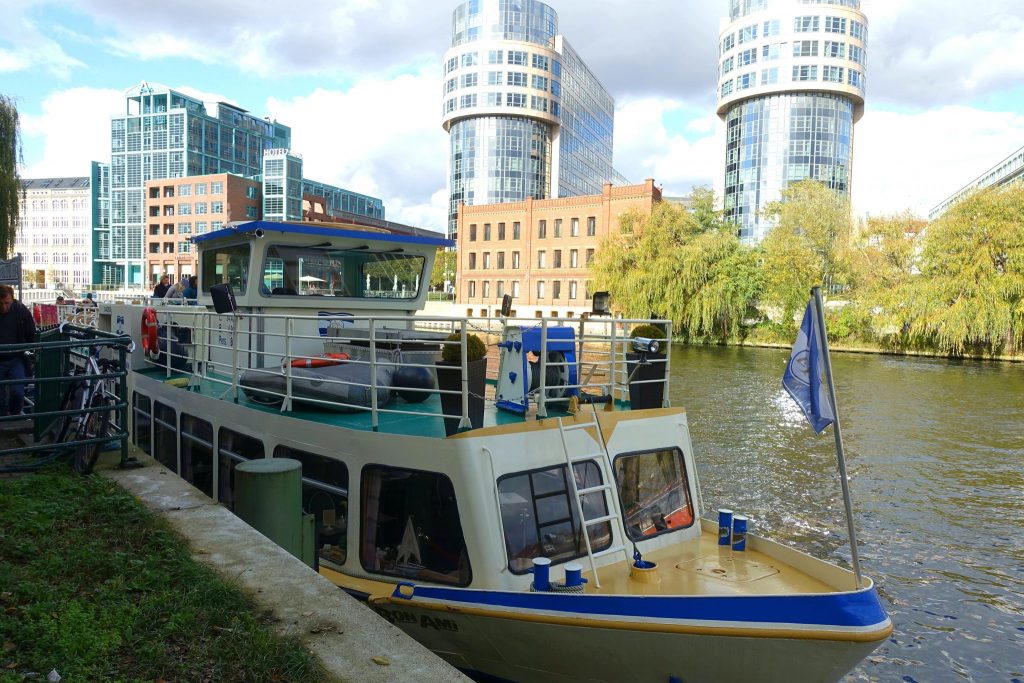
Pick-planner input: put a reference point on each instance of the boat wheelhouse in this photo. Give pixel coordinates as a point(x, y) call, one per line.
point(557, 538)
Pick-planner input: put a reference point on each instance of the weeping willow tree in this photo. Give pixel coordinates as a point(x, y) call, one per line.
point(807, 246)
point(969, 296)
point(684, 265)
point(11, 191)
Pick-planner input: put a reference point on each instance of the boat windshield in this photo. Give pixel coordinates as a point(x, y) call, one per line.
point(334, 272)
point(654, 492)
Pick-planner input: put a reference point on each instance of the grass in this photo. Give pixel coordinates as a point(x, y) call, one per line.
point(94, 586)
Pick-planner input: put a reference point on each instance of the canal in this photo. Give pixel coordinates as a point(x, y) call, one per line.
point(935, 452)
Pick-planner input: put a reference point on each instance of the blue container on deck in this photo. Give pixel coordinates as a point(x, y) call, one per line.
point(541, 574)
point(724, 526)
point(739, 532)
point(573, 575)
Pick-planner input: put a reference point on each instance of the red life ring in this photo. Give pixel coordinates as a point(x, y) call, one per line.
point(149, 328)
point(320, 361)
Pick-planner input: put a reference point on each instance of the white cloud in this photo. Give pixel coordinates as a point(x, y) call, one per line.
point(75, 129)
point(380, 137)
point(29, 48)
point(914, 161)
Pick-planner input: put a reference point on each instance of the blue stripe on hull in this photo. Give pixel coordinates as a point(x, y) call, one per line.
point(854, 609)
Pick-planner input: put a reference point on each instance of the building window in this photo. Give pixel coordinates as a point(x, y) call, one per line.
point(487, 260)
point(859, 30)
point(501, 260)
point(727, 65)
point(590, 257)
point(486, 289)
point(591, 226)
point(515, 289)
point(200, 208)
point(748, 33)
point(515, 230)
point(501, 231)
point(835, 25)
point(487, 232)
point(542, 261)
point(515, 260)
point(855, 78)
point(516, 78)
point(471, 286)
point(216, 207)
point(805, 73)
point(806, 24)
point(539, 82)
point(771, 28)
point(542, 229)
point(495, 57)
point(557, 259)
point(200, 188)
point(515, 100)
point(472, 232)
point(558, 227)
point(472, 261)
point(769, 76)
point(469, 59)
point(467, 101)
point(216, 187)
point(856, 54)
point(574, 227)
point(184, 228)
point(572, 289)
point(805, 48)
point(494, 78)
point(250, 192)
point(746, 57)
point(501, 289)
point(834, 50)
point(517, 57)
point(468, 80)
point(556, 289)
point(728, 43)
point(832, 74)
point(540, 289)
point(746, 81)
point(540, 62)
point(185, 191)
point(573, 258)
point(771, 51)
point(727, 87)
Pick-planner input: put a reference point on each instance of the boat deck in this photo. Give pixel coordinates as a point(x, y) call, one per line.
point(400, 417)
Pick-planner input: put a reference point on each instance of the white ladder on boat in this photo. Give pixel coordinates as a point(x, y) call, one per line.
point(607, 488)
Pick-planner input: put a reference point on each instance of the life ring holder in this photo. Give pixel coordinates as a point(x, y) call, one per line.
point(150, 346)
point(317, 361)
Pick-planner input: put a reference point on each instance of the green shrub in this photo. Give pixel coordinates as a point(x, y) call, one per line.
point(451, 352)
point(647, 332)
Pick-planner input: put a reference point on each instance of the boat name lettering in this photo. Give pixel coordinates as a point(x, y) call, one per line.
point(396, 616)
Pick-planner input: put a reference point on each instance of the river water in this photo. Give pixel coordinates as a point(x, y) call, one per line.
point(935, 454)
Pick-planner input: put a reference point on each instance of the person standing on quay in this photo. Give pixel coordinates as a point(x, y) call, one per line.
point(16, 327)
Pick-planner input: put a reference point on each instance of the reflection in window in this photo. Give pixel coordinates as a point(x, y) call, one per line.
point(333, 272)
point(232, 448)
point(411, 526)
point(654, 492)
point(539, 518)
point(165, 436)
point(325, 496)
point(197, 453)
point(143, 425)
point(228, 264)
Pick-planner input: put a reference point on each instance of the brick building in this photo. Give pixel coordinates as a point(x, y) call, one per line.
point(539, 251)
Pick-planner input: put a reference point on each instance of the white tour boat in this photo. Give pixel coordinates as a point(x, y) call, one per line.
point(557, 538)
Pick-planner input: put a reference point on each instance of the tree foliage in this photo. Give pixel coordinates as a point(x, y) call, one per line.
point(445, 266)
point(11, 191)
point(807, 246)
point(969, 297)
point(684, 265)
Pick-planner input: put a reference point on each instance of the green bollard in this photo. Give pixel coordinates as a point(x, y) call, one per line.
point(269, 498)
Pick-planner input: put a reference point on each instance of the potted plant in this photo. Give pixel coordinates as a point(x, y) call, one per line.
point(645, 366)
point(449, 379)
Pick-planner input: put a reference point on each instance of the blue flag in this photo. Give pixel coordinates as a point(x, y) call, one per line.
point(805, 373)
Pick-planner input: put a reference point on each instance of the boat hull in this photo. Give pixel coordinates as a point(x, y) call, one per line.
point(568, 639)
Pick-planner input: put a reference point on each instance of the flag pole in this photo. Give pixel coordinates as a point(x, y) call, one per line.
point(819, 319)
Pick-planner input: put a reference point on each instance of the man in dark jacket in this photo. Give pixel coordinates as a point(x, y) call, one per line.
point(161, 289)
point(16, 327)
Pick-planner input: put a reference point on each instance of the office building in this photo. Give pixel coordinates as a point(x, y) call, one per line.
point(54, 229)
point(178, 208)
point(525, 115)
point(167, 134)
point(791, 87)
point(1009, 170)
point(539, 251)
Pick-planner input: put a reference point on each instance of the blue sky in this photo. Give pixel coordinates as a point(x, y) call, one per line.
point(359, 82)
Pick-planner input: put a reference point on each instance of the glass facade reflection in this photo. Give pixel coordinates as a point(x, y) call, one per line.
point(791, 86)
point(526, 116)
point(773, 141)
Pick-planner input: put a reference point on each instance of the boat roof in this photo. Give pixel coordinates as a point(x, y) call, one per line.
point(323, 230)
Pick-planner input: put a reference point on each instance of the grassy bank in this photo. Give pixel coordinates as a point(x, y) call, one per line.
point(94, 586)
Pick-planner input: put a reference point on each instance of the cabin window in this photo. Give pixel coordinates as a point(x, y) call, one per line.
point(411, 526)
point(540, 519)
point(233, 448)
point(325, 496)
point(227, 264)
point(197, 453)
point(165, 436)
point(335, 272)
point(142, 415)
point(654, 492)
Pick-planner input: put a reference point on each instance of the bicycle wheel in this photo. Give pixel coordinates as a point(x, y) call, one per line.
point(95, 425)
point(62, 426)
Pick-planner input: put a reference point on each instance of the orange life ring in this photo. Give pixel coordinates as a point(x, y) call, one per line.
point(319, 361)
point(149, 329)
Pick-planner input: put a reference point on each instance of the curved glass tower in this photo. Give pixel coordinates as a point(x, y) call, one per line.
point(525, 115)
point(790, 88)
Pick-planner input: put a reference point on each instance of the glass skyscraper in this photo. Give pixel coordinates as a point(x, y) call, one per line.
point(525, 115)
point(167, 134)
point(790, 89)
